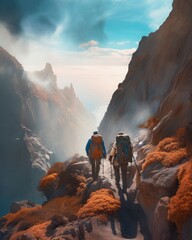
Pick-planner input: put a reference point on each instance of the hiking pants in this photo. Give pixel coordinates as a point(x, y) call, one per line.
point(123, 168)
point(95, 168)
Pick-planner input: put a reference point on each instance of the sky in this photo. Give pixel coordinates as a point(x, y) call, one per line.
point(88, 42)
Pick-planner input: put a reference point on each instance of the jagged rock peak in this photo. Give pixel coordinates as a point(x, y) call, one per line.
point(48, 69)
point(153, 73)
point(47, 75)
point(69, 92)
point(9, 58)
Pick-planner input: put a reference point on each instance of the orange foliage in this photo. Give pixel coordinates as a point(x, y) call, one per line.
point(38, 231)
point(167, 159)
point(168, 145)
point(170, 151)
point(180, 206)
point(100, 202)
point(150, 123)
point(48, 181)
point(74, 183)
point(63, 206)
point(56, 168)
point(28, 216)
point(60, 175)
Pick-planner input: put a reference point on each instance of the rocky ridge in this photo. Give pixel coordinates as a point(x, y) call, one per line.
point(158, 81)
point(34, 112)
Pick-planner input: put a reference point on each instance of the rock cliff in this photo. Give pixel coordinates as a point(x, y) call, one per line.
point(158, 87)
point(158, 80)
point(35, 116)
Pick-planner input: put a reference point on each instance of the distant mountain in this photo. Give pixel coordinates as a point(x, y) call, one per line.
point(35, 116)
point(158, 81)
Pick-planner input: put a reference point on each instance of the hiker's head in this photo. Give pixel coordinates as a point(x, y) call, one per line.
point(120, 134)
point(95, 132)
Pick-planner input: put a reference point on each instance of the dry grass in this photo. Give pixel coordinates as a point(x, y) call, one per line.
point(180, 206)
point(100, 202)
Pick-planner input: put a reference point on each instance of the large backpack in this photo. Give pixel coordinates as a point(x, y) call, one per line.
point(96, 149)
point(124, 148)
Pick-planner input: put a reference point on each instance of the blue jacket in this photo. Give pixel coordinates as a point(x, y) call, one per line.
point(89, 144)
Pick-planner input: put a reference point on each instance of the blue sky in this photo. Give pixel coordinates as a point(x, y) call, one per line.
point(88, 42)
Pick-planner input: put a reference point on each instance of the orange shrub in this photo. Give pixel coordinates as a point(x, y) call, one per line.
point(49, 181)
point(73, 182)
point(100, 202)
point(169, 152)
point(168, 144)
point(38, 231)
point(150, 123)
point(56, 168)
point(153, 157)
point(63, 206)
point(180, 206)
point(28, 216)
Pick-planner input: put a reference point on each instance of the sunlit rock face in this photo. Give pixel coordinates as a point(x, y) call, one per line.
point(158, 80)
point(39, 123)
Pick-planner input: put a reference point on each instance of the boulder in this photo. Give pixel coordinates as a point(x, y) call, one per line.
point(16, 206)
point(163, 229)
point(157, 181)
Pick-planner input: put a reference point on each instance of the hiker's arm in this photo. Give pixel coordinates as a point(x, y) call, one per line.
point(104, 150)
point(112, 153)
point(88, 146)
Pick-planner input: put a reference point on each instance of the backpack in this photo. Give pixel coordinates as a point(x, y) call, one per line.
point(96, 149)
point(124, 148)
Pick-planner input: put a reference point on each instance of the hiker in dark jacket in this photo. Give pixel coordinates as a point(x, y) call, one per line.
point(95, 150)
point(120, 155)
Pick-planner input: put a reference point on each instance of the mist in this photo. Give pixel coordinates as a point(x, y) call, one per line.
point(75, 20)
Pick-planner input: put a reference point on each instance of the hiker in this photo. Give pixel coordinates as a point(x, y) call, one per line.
point(95, 150)
point(121, 153)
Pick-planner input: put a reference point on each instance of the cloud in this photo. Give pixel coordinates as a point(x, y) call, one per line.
point(81, 20)
point(158, 12)
point(91, 43)
point(120, 43)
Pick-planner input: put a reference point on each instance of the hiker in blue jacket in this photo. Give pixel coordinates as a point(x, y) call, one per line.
point(95, 150)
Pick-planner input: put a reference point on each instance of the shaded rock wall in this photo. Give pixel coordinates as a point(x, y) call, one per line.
point(35, 115)
point(156, 68)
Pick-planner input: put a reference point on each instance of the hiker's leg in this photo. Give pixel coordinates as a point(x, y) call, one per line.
point(117, 175)
point(98, 162)
point(124, 175)
point(93, 168)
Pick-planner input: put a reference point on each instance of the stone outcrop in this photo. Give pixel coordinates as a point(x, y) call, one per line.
point(65, 215)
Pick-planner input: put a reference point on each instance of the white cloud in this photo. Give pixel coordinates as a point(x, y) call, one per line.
point(158, 12)
point(120, 43)
point(88, 44)
point(95, 71)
